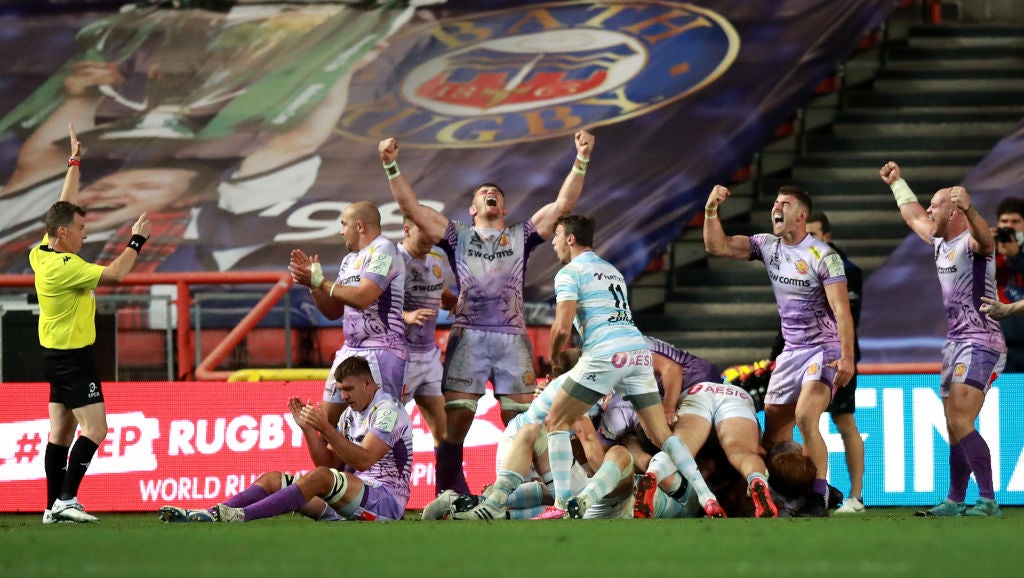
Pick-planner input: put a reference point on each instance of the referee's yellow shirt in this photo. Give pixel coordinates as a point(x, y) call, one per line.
point(67, 303)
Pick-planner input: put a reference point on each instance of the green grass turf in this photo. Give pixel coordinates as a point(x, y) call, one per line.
point(882, 542)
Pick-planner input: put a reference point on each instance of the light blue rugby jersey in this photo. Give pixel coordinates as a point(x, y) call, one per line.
point(603, 317)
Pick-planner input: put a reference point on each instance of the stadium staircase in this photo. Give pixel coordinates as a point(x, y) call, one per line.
point(934, 98)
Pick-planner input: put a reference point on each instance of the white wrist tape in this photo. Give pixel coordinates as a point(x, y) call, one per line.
point(316, 275)
point(901, 190)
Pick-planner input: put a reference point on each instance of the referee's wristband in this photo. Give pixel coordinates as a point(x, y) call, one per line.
point(136, 242)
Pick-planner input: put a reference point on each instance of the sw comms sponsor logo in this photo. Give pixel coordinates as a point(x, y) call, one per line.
point(538, 72)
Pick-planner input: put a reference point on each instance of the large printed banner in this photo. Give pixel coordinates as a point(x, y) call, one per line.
point(196, 444)
point(245, 133)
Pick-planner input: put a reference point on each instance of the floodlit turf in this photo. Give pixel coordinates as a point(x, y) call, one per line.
point(882, 542)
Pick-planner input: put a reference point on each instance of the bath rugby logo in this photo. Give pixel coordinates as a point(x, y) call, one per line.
point(538, 72)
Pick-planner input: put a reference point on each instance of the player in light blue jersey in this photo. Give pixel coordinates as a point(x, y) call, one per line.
point(590, 294)
point(975, 350)
point(809, 283)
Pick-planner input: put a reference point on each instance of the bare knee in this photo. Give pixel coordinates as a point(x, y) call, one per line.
point(270, 481)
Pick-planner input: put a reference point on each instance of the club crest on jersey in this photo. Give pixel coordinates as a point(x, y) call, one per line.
point(536, 72)
point(813, 369)
point(436, 269)
point(959, 370)
point(801, 267)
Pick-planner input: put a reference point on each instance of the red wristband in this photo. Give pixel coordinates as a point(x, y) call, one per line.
point(73, 162)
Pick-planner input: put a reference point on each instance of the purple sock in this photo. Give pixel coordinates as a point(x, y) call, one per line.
point(250, 495)
point(820, 487)
point(977, 454)
point(448, 470)
point(959, 473)
point(287, 500)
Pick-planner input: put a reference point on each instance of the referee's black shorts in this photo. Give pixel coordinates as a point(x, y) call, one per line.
point(72, 376)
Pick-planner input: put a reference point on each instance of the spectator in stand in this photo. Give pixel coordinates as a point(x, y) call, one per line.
point(1009, 236)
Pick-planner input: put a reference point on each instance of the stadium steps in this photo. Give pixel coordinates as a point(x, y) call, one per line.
point(945, 95)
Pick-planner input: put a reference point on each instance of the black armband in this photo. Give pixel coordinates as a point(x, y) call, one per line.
point(136, 242)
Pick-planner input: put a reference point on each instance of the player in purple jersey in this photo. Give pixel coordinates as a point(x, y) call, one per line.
point(368, 292)
point(810, 288)
point(975, 351)
point(362, 471)
point(427, 277)
point(488, 341)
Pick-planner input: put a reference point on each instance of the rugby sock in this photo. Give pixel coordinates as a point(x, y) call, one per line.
point(526, 513)
point(250, 495)
point(55, 460)
point(78, 461)
point(665, 506)
point(661, 466)
point(756, 476)
point(527, 495)
point(959, 473)
point(497, 495)
point(541, 406)
point(449, 468)
point(606, 478)
point(328, 515)
point(820, 490)
point(546, 478)
point(979, 457)
point(684, 462)
point(560, 456)
point(289, 499)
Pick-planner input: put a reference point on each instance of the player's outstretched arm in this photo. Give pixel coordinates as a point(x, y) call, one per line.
point(69, 192)
point(431, 222)
point(982, 241)
point(998, 310)
point(910, 208)
point(545, 218)
point(715, 240)
point(118, 269)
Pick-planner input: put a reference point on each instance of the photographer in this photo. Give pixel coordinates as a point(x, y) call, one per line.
point(1009, 237)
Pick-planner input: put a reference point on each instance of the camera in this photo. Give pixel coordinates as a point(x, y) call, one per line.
point(1005, 235)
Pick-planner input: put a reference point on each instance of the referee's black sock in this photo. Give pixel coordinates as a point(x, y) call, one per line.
point(79, 460)
point(55, 460)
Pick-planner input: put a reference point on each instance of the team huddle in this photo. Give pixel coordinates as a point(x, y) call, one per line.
point(628, 426)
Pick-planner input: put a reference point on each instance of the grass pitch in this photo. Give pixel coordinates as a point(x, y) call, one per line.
point(882, 542)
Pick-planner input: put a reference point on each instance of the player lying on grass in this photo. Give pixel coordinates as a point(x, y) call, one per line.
point(362, 471)
point(729, 411)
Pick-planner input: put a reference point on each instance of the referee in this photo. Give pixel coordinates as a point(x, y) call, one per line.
point(65, 284)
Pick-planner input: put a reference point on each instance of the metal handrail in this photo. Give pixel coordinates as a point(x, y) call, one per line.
point(204, 371)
